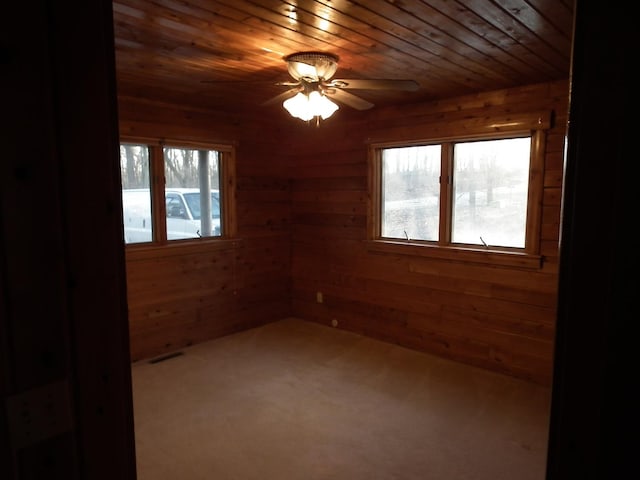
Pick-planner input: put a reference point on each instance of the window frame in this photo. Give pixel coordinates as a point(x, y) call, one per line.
point(227, 161)
point(443, 248)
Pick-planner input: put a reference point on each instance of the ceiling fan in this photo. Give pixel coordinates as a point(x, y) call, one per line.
point(313, 72)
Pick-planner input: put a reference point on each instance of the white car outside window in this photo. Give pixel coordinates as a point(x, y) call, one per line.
point(183, 207)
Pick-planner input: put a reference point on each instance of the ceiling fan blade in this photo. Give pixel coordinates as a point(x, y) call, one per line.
point(281, 97)
point(235, 82)
point(349, 99)
point(376, 84)
point(288, 84)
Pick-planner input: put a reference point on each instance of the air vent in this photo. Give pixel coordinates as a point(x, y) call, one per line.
point(166, 357)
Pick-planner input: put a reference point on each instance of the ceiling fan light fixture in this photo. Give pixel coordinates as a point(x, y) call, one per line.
point(314, 83)
point(305, 107)
point(312, 65)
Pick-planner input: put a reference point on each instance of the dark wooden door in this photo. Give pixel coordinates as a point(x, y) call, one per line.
point(594, 417)
point(64, 370)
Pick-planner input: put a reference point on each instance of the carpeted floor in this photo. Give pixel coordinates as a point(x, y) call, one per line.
point(295, 400)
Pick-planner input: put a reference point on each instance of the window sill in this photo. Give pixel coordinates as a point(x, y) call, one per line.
point(457, 254)
point(145, 251)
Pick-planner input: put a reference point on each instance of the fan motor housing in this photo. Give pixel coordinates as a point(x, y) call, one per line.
point(312, 65)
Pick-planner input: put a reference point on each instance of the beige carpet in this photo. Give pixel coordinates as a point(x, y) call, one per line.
point(298, 400)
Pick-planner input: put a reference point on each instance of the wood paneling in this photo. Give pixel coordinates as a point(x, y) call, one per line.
point(188, 292)
point(302, 195)
point(498, 316)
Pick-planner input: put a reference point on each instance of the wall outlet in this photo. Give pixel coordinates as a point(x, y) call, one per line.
point(319, 297)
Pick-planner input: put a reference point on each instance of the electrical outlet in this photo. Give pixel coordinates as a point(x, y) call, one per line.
point(319, 297)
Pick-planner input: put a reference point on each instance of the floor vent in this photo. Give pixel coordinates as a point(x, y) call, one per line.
point(166, 357)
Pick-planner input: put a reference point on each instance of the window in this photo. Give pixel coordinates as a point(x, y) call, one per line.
point(136, 193)
point(480, 194)
point(190, 196)
point(490, 188)
point(411, 192)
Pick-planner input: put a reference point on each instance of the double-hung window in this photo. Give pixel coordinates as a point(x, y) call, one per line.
point(176, 192)
point(479, 194)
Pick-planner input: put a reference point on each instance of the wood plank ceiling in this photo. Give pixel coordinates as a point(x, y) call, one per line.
point(228, 55)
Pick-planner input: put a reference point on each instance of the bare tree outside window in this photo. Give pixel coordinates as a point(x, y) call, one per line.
point(134, 166)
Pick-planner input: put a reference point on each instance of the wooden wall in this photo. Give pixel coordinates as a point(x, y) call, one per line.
point(496, 317)
point(302, 229)
point(183, 294)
